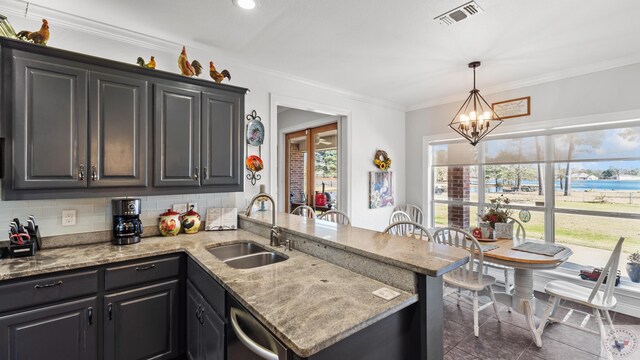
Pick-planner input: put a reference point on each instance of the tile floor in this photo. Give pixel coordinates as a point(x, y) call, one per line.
point(512, 339)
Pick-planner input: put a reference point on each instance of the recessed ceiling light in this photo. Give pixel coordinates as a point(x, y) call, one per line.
point(246, 4)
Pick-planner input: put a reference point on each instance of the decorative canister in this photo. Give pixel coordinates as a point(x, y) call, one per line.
point(191, 221)
point(169, 223)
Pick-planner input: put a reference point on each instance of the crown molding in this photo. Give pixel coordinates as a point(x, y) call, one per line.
point(536, 80)
point(85, 25)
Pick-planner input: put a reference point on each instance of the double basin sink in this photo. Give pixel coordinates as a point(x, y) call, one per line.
point(246, 255)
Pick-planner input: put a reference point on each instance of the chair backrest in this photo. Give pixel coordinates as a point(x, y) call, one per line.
point(611, 271)
point(415, 213)
point(462, 239)
point(336, 216)
point(400, 216)
point(519, 233)
point(408, 228)
point(304, 210)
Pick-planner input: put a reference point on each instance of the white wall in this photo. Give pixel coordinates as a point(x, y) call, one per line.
point(376, 124)
point(294, 118)
point(599, 96)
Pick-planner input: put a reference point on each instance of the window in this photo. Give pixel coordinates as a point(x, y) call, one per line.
point(585, 182)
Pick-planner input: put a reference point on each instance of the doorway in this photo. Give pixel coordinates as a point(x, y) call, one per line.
point(312, 171)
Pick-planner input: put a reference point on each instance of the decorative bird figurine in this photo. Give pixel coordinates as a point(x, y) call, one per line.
point(39, 37)
point(150, 65)
point(218, 76)
point(188, 68)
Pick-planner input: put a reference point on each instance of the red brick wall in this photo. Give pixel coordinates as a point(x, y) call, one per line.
point(459, 188)
point(296, 172)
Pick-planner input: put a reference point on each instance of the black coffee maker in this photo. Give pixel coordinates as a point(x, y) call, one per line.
point(127, 227)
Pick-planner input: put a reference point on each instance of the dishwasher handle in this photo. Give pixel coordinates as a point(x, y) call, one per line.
point(246, 340)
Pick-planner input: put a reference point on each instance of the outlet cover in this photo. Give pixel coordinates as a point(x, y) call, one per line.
point(181, 208)
point(195, 206)
point(68, 217)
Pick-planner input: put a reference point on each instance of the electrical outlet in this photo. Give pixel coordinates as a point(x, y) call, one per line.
point(68, 217)
point(195, 206)
point(181, 208)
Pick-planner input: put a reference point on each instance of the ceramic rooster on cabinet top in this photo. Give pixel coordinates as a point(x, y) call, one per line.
point(188, 68)
point(218, 76)
point(39, 37)
point(150, 65)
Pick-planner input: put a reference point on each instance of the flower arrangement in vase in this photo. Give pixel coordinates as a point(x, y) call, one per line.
point(498, 211)
point(633, 267)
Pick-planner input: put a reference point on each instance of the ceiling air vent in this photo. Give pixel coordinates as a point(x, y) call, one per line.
point(458, 14)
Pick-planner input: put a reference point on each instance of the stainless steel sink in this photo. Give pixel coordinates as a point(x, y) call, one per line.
point(246, 255)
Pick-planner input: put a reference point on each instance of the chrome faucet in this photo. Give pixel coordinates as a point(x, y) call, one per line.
point(274, 235)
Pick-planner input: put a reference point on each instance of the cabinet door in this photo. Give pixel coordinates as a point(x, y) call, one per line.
point(118, 131)
point(222, 153)
point(194, 301)
point(212, 339)
point(142, 323)
point(49, 123)
point(66, 331)
point(177, 136)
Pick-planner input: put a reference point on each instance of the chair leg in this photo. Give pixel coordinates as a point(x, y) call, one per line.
point(495, 303)
point(598, 316)
point(551, 306)
point(458, 297)
point(476, 328)
point(607, 316)
point(507, 281)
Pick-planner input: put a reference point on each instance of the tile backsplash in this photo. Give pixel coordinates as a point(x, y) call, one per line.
point(94, 214)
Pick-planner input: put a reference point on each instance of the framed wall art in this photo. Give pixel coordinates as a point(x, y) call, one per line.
point(512, 108)
point(381, 189)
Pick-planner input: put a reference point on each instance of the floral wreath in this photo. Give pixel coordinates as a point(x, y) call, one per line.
point(382, 160)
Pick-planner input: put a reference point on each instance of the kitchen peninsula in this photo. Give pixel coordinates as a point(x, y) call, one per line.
point(316, 302)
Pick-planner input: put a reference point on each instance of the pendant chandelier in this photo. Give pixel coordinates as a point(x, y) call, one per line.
point(475, 119)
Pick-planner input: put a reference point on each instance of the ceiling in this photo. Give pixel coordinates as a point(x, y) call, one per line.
point(391, 50)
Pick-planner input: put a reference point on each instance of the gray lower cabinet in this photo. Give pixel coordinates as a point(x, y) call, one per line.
point(66, 331)
point(118, 122)
point(176, 120)
point(205, 329)
point(142, 323)
point(49, 123)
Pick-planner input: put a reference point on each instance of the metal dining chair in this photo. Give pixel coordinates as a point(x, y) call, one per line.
point(335, 216)
point(304, 210)
point(415, 213)
point(466, 277)
point(408, 228)
point(519, 234)
point(397, 216)
point(599, 298)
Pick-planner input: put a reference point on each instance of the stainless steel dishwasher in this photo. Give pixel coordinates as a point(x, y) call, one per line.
point(248, 339)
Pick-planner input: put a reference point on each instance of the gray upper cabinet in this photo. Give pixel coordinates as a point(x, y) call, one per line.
point(49, 123)
point(221, 138)
point(118, 122)
point(177, 136)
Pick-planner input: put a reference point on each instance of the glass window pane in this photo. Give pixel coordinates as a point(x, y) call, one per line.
point(513, 151)
point(596, 145)
point(459, 183)
point(592, 238)
point(454, 154)
point(599, 186)
point(523, 184)
point(298, 170)
point(326, 165)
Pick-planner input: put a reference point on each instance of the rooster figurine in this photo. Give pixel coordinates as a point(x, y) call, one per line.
point(150, 65)
point(218, 76)
point(188, 68)
point(39, 37)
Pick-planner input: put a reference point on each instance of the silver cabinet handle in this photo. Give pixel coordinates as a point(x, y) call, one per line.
point(246, 340)
point(204, 172)
point(38, 286)
point(196, 174)
point(94, 173)
point(81, 173)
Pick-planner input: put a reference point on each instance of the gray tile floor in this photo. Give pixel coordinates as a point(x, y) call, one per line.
point(512, 339)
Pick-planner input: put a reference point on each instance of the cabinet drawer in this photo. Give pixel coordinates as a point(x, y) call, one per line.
point(48, 289)
point(213, 292)
point(141, 272)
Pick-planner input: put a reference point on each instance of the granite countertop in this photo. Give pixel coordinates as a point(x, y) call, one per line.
point(308, 303)
point(408, 253)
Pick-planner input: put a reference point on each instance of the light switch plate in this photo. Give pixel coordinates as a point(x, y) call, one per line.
point(181, 208)
point(386, 293)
